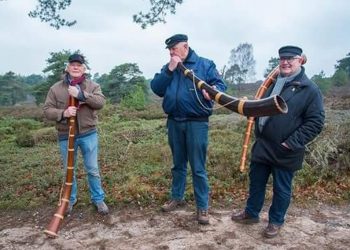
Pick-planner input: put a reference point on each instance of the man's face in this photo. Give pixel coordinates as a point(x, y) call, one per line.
point(75, 69)
point(289, 64)
point(180, 50)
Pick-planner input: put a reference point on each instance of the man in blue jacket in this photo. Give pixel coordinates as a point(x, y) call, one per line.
point(188, 110)
point(280, 141)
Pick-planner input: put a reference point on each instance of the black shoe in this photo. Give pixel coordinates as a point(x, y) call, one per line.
point(244, 218)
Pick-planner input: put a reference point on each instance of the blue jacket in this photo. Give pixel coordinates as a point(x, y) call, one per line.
point(303, 122)
point(180, 100)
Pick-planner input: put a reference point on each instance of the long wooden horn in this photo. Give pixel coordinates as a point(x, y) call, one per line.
point(56, 220)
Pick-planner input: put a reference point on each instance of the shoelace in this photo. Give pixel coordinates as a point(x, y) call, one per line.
point(204, 212)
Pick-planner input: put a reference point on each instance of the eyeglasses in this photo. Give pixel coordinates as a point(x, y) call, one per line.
point(289, 59)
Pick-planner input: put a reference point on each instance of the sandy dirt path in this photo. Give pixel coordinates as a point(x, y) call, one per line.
point(318, 227)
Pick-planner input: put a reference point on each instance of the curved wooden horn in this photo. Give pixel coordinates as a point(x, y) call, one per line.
point(273, 105)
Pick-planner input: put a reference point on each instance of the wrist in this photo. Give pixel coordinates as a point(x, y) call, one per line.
point(168, 71)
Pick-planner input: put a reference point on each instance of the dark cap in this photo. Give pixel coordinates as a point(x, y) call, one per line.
point(290, 51)
point(175, 39)
point(76, 58)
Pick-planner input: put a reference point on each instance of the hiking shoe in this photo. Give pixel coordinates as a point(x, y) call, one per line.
point(271, 230)
point(70, 208)
point(203, 217)
point(244, 218)
point(102, 208)
point(172, 205)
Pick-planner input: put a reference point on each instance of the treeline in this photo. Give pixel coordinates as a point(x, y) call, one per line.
point(16, 88)
point(126, 85)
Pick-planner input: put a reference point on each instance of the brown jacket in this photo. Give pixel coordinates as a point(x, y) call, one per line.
point(57, 101)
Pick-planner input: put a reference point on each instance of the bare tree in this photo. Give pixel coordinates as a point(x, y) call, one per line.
point(242, 59)
point(235, 75)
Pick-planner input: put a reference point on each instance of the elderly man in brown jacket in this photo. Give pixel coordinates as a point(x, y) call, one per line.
point(56, 108)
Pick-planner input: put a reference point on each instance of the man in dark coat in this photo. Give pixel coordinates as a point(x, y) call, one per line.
point(280, 141)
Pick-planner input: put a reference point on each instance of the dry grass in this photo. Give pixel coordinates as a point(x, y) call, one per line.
point(135, 161)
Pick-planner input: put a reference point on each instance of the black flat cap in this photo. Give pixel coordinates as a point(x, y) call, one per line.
point(290, 50)
point(76, 58)
point(175, 39)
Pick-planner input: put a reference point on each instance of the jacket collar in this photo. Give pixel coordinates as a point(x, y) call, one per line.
point(192, 57)
point(297, 84)
point(300, 80)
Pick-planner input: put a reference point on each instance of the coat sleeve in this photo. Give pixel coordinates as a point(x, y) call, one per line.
point(94, 97)
point(161, 81)
point(50, 109)
point(313, 121)
point(214, 78)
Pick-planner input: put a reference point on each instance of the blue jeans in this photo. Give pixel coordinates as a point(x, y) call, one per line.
point(89, 150)
point(282, 191)
point(188, 141)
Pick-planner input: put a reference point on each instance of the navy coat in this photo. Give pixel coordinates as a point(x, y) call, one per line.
point(303, 122)
point(180, 95)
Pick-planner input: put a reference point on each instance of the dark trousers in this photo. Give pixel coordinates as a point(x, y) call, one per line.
point(188, 141)
point(282, 191)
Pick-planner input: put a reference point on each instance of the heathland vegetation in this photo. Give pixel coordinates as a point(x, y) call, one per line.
point(135, 159)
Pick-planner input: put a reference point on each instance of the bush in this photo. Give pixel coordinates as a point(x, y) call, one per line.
point(340, 78)
point(19, 124)
point(331, 148)
point(45, 135)
point(108, 111)
point(23, 112)
point(5, 132)
point(25, 139)
point(151, 112)
point(136, 99)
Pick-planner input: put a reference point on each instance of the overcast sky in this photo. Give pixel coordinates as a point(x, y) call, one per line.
point(107, 36)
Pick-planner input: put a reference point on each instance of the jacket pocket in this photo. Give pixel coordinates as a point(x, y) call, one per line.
point(273, 153)
point(290, 159)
